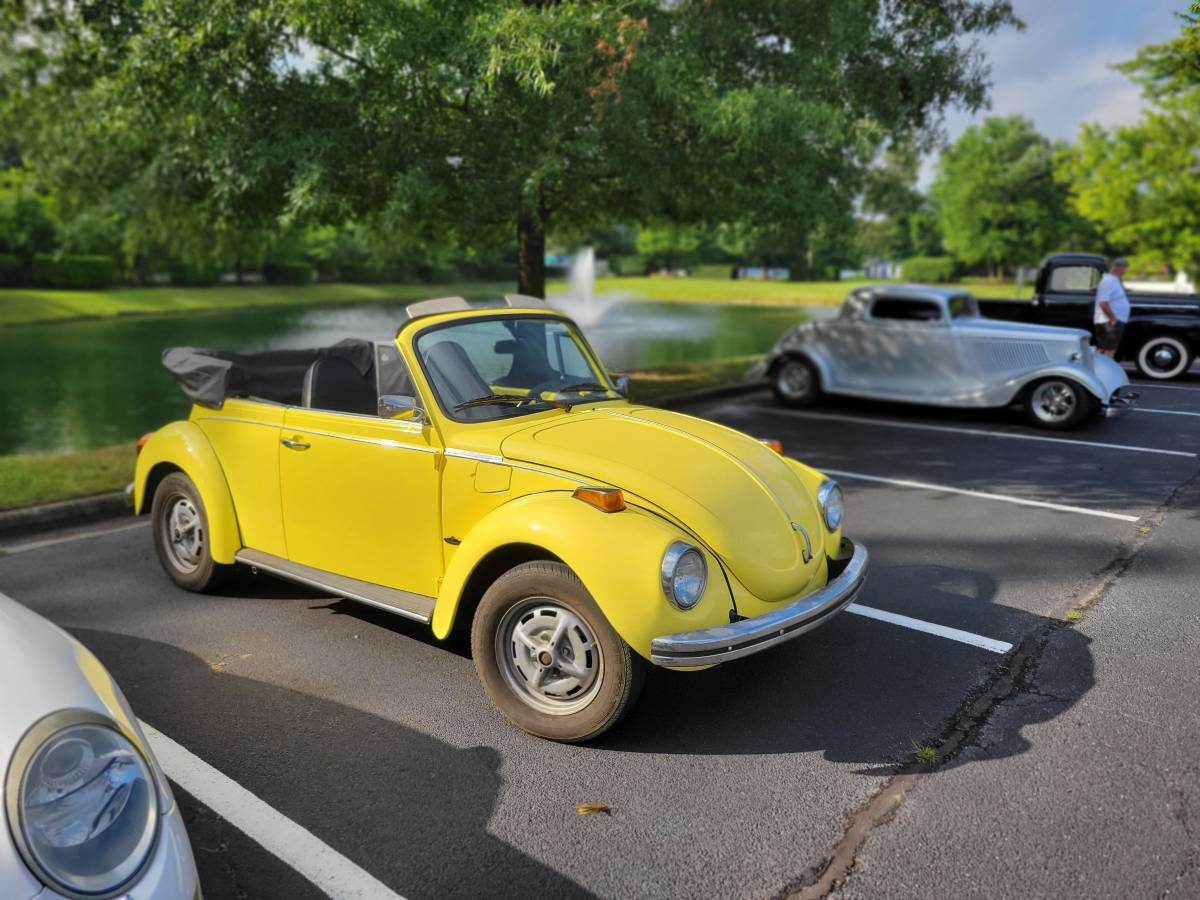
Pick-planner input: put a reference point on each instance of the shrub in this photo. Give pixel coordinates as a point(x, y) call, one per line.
point(187, 275)
point(714, 270)
point(12, 269)
point(74, 271)
point(928, 268)
point(360, 274)
point(279, 272)
point(633, 264)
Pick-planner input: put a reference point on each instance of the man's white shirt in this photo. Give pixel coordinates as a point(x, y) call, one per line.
point(1113, 291)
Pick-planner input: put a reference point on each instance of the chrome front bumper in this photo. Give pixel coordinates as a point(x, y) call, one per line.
point(1123, 400)
point(708, 646)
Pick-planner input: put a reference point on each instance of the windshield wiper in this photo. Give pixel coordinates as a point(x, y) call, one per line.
point(490, 399)
point(590, 386)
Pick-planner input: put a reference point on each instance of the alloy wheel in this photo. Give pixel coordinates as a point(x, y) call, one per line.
point(1053, 402)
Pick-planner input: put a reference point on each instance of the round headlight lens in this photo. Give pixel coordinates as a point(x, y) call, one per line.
point(829, 495)
point(86, 807)
point(684, 574)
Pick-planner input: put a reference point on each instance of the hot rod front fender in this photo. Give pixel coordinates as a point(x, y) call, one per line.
point(617, 556)
point(182, 446)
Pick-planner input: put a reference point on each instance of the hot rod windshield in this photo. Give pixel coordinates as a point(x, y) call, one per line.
point(494, 368)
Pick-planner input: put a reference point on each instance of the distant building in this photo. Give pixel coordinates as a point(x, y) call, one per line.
point(881, 268)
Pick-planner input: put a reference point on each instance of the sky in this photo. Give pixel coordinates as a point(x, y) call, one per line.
point(1056, 70)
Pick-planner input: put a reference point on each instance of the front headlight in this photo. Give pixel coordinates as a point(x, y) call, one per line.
point(684, 574)
point(82, 804)
point(829, 496)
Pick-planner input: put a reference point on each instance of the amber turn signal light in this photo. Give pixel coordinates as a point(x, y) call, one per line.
point(605, 499)
point(777, 446)
point(141, 442)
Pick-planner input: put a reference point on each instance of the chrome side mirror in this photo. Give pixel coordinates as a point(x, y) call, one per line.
point(398, 406)
point(621, 383)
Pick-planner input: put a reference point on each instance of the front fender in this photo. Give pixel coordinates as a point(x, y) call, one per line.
point(616, 555)
point(1095, 381)
point(182, 445)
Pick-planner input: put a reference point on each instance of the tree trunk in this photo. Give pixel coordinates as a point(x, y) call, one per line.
point(531, 254)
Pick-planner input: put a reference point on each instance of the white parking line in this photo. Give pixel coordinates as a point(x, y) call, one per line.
point(297, 846)
point(1167, 412)
point(1138, 385)
point(50, 542)
point(862, 420)
point(964, 637)
point(984, 495)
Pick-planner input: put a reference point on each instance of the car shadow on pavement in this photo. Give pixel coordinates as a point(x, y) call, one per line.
point(321, 764)
point(859, 691)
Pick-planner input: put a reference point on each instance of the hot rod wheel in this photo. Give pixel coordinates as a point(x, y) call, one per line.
point(547, 656)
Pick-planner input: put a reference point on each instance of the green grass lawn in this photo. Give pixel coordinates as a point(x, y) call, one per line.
point(767, 293)
point(31, 478)
point(27, 479)
point(25, 305)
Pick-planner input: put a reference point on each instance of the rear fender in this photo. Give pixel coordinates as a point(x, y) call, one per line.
point(183, 446)
point(617, 556)
point(796, 344)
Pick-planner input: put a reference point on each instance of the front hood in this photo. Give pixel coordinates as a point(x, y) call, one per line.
point(737, 496)
point(1001, 328)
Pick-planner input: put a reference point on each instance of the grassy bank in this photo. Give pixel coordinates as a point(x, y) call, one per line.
point(767, 293)
point(23, 306)
point(26, 305)
point(28, 479)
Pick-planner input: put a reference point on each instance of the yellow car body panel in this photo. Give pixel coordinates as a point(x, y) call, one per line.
point(616, 555)
point(183, 446)
point(419, 506)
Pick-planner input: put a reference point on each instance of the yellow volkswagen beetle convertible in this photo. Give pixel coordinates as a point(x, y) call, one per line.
point(483, 471)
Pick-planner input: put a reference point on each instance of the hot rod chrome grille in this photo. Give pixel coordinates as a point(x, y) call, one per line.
point(1005, 356)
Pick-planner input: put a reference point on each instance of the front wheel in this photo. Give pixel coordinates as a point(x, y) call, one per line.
point(547, 656)
point(1163, 357)
point(1057, 403)
point(795, 382)
point(181, 540)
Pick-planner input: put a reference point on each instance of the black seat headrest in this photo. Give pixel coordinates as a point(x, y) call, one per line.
point(335, 384)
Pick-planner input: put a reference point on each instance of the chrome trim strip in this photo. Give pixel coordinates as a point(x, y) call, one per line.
point(471, 454)
point(404, 603)
point(709, 646)
point(381, 442)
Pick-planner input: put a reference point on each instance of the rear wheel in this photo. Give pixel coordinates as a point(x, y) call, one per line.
point(795, 382)
point(547, 656)
point(181, 540)
point(1162, 357)
point(1057, 403)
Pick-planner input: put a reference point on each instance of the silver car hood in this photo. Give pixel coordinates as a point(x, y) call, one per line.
point(998, 328)
point(43, 669)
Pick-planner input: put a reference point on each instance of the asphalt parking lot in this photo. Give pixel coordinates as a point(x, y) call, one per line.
point(1030, 620)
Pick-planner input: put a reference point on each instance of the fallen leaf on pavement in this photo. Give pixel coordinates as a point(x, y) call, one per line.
point(592, 809)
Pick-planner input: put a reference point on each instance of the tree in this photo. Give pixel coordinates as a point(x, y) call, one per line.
point(996, 195)
point(901, 220)
point(1141, 184)
point(479, 120)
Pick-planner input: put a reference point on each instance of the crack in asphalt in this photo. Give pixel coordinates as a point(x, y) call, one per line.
point(1014, 677)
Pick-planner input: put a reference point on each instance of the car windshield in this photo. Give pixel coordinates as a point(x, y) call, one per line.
point(495, 368)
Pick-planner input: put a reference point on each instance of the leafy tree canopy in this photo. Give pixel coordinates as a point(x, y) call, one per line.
point(1140, 184)
point(475, 119)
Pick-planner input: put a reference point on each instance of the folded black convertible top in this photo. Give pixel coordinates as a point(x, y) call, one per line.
point(209, 376)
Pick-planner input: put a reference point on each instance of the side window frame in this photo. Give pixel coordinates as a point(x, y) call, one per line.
point(1094, 272)
point(913, 301)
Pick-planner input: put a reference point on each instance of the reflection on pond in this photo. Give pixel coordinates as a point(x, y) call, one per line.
point(88, 384)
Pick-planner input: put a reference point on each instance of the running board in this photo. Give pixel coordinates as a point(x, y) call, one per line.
point(411, 606)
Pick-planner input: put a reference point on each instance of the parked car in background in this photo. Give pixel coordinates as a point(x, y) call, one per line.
point(926, 345)
point(484, 472)
point(1163, 333)
point(88, 811)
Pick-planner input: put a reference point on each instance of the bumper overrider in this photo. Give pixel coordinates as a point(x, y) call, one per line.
point(1123, 400)
point(709, 646)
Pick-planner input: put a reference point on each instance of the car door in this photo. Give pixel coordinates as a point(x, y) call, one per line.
point(910, 348)
point(361, 493)
point(1069, 298)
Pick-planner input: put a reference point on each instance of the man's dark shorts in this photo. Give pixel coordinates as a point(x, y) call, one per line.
point(1108, 336)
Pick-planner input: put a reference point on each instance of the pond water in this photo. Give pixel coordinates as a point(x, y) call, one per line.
point(91, 383)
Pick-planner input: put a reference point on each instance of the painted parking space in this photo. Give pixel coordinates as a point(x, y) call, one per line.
point(377, 741)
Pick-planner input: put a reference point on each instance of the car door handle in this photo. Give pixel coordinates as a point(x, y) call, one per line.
point(294, 445)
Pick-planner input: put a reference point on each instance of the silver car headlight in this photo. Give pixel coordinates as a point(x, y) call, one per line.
point(829, 496)
point(684, 575)
point(82, 804)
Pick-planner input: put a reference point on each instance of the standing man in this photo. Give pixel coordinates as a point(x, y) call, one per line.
point(1112, 308)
